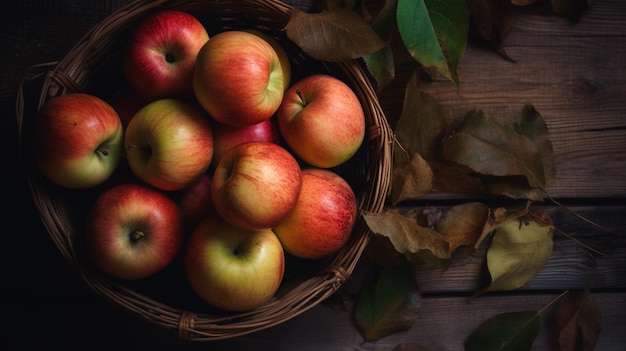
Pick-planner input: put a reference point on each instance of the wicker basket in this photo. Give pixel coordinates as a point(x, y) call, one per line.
point(93, 66)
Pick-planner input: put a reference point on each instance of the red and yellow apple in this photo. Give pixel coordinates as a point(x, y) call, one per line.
point(169, 144)
point(79, 140)
point(232, 268)
point(159, 59)
point(133, 231)
point(226, 137)
point(255, 185)
point(321, 120)
point(322, 220)
point(238, 78)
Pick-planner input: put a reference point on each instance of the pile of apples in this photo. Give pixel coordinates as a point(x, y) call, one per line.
point(230, 162)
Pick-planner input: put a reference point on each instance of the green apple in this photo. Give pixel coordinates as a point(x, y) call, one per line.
point(79, 140)
point(169, 144)
point(232, 268)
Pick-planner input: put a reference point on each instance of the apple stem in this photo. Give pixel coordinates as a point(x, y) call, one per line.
point(299, 93)
point(136, 235)
point(103, 152)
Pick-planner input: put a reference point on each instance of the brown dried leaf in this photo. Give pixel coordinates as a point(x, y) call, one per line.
point(423, 122)
point(577, 321)
point(496, 218)
point(335, 35)
point(406, 235)
point(411, 179)
point(491, 21)
point(462, 224)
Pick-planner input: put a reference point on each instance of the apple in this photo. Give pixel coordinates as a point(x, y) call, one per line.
point(133, 231)
point(169, 144)
point(232, 268)
point(79, 140)
point(282, 54)
point(238, 78)
point(255, 185)
point(321, 120)
point(159, 59)
point(195, 200)
point(225, 136)
point(322, 220)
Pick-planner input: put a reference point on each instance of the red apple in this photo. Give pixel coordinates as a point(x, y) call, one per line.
point(160, 56)
point(133, 231)
point(225, 137)
point(232, 268)
point(195, 200)
point(282, 54)
point(239, 78)
point(169, 144)
point(322, 120)
point(79, 140)
point(323, 218)
point(255, 185)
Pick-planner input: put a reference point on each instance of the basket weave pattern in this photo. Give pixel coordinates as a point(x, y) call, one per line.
point(95, 56)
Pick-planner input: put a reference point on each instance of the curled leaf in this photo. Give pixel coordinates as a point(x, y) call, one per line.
point(577, 321)
point(335, 35)
point(406, 235)
point(463, 224)
point(493, 149)
point(518, 251)
point(512, 331)
point(390, 305)
point(411, 179)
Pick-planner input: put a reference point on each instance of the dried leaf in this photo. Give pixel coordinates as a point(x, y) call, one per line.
point(492, 149)
point(523, 2)
point(534, 127)
point(577, 321)
point(435, 33)
point(406, 235)
point(463, 224)
point(491, 21)
point(453, 177)
point(411, 180)
point(512, 331)
point(496, 218)
point(389, 306)
point(411, 346)
point(518, 251)
point(571, 9)
point(423, 122)
point(335, 35)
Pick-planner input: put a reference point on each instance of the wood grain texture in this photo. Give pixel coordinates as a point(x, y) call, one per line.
point(574, 74)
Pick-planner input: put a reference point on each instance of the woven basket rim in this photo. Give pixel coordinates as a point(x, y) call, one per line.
point(71, 74)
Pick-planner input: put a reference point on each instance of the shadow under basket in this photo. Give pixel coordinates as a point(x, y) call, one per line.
point(93, 65)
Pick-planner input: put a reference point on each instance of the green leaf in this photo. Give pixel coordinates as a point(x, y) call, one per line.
point(381, 66)
point(334, 35)
point(518, 251)
point(513, 331)
point(389, 306)
point(435, 33)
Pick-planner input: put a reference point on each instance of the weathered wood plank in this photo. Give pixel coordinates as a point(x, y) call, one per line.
point(573, 73)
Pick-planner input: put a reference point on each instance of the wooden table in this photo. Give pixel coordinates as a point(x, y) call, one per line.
point(573, 73)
